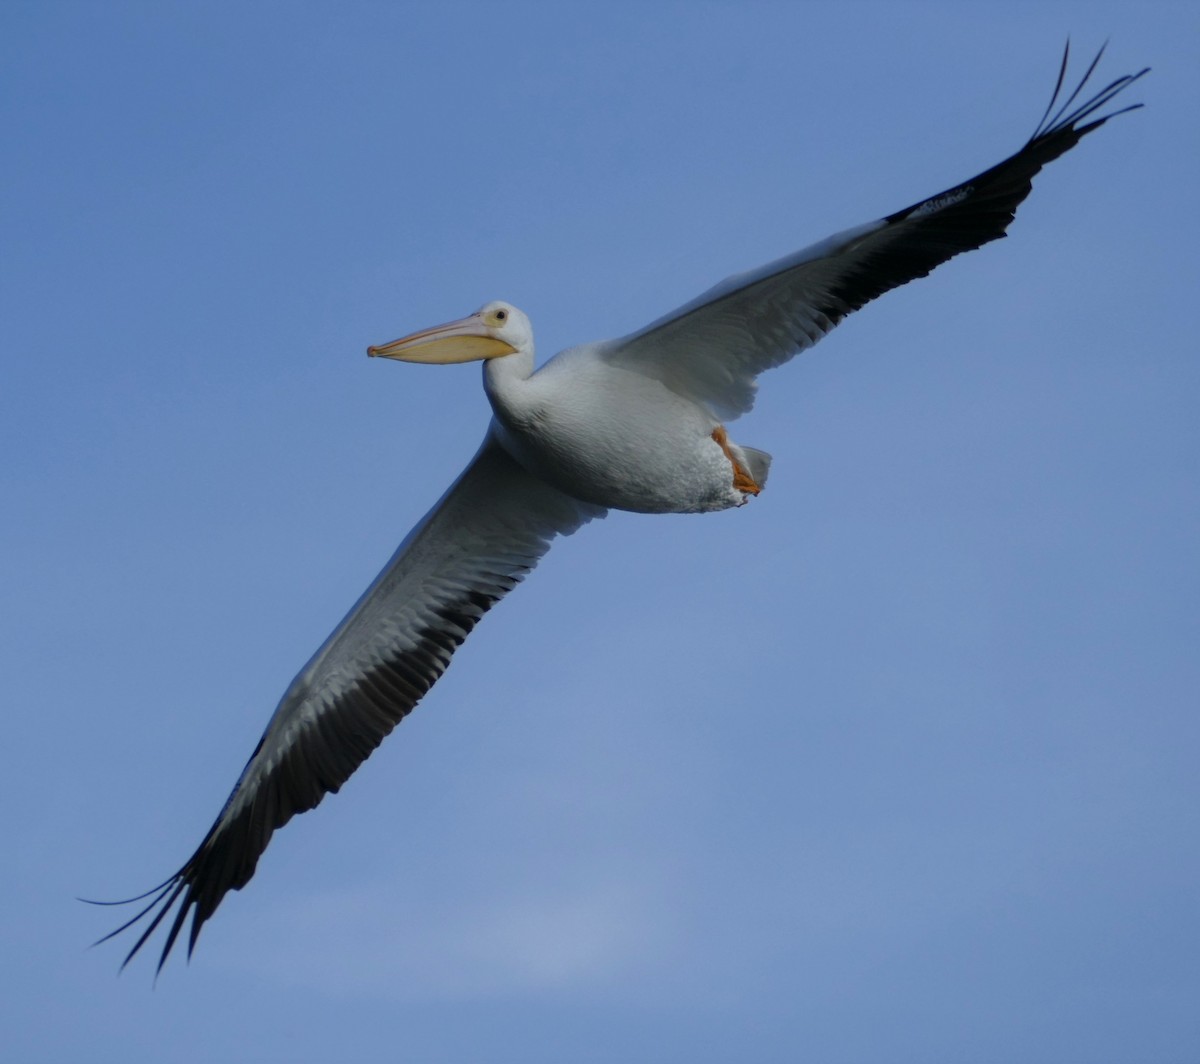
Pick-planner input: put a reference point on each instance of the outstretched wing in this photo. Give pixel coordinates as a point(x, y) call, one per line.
point(712, 349)
point(470, 550)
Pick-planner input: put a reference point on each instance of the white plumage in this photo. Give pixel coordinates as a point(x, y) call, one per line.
point(634, 423)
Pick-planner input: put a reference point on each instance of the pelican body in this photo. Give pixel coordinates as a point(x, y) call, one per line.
point(636, 424)
point(597, 430)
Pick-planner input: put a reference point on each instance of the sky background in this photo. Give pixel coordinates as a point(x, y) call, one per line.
point(897, 763)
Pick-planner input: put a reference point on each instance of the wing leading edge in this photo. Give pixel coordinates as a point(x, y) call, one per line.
point(470, 550)
point(497, 521)
point(712, 349)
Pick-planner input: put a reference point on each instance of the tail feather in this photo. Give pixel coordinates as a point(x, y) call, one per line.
point(757, 464)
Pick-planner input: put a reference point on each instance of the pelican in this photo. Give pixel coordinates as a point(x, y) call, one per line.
point(637, 423)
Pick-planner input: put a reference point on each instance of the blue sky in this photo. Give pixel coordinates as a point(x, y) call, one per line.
point(897, 763)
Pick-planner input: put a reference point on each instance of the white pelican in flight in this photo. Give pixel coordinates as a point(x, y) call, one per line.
point(636, 424)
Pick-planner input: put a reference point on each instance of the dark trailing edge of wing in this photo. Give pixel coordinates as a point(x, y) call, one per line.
point(346, 724)
point(969, 215)
point(381, 698)
point(910, 244)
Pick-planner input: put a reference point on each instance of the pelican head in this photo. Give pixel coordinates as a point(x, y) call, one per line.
point(494, 330)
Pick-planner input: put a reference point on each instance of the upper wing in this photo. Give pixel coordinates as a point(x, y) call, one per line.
point(712, 348)
point(470, 550)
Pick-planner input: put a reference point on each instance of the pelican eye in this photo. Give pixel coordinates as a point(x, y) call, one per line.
point(501, 315)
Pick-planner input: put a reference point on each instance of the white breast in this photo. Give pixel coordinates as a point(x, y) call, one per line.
point(610, 436)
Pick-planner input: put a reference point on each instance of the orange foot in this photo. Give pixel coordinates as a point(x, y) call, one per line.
point(742, 480)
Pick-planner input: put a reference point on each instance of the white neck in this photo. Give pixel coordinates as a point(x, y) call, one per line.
point(502, 381)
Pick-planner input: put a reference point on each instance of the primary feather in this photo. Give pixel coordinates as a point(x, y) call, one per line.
point(632, 422)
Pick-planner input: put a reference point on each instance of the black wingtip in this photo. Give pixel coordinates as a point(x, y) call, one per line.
point(162, 898)
point(128, 901)
point(1064, 118)
point(1062, 75)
